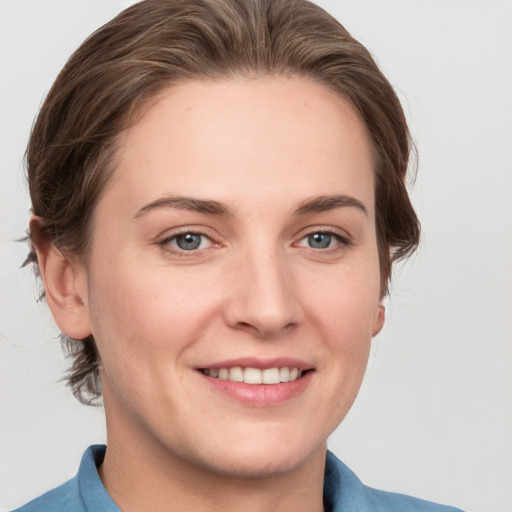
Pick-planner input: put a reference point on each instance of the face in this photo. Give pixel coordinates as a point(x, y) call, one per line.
point(236, 242)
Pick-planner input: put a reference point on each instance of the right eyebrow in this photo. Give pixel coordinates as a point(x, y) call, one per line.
point(186, 203)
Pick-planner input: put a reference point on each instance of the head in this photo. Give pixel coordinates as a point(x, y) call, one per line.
point(128, 69)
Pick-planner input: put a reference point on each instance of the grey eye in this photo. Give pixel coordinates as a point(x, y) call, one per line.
point(319, 240)
point(189, 241)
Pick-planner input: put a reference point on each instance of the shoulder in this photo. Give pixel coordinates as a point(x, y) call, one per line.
point(66, 497)
point(83, 493)
point(343, 491)
point(383, 501)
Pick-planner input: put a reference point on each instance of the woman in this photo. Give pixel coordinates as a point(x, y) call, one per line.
point(218, 197)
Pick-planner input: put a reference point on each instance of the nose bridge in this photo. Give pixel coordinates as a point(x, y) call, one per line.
point(263, 298)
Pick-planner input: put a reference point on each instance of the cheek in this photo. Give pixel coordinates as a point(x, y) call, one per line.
point(344, 305)
point(145, 310)
point(344, 300)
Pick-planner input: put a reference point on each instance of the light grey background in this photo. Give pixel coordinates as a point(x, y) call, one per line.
point(434, 416)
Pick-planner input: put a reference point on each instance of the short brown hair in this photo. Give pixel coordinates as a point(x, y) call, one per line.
point(157, 43)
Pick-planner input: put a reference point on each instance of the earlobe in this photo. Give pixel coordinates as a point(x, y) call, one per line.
point(380, 317)
point(64, 283)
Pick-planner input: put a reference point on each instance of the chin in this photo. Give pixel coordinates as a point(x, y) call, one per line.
point(261, 457)
point(258, 466)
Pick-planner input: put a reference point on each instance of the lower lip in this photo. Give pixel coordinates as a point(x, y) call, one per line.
point(261, 395)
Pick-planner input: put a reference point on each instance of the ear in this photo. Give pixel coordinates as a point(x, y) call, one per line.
point(378, 321)
point(64, 282)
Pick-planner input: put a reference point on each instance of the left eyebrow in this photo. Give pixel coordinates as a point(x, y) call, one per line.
point(325, 203)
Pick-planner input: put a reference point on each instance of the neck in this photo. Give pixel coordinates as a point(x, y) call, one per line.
point(142, 474)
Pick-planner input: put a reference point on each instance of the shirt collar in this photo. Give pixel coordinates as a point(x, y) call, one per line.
point(342, 489)
point(92, 492)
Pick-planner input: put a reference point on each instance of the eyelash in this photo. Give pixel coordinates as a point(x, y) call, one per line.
point(342, 242)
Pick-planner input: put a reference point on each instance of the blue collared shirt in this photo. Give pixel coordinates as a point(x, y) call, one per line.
point(343, 492)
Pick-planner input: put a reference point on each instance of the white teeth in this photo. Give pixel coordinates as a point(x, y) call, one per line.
point(236, 374)
point(284, 374)
point(254, 375)
point(270, 376)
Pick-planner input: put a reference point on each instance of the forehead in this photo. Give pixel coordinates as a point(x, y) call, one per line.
point(237, 138)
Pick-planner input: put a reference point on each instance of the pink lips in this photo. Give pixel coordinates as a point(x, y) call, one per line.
point(261, 395)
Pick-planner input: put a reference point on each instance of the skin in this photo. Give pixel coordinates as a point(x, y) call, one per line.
point(255, 287)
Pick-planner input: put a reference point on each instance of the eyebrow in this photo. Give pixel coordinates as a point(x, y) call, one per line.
point(324, 203)
point(308, 206)
point(186, 203)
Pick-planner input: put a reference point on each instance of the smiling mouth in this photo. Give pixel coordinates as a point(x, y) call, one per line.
point(250, 375)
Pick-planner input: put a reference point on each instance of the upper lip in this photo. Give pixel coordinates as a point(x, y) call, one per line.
point(261, 364)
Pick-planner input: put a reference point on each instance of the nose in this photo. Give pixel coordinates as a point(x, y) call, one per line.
point(262, 300)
